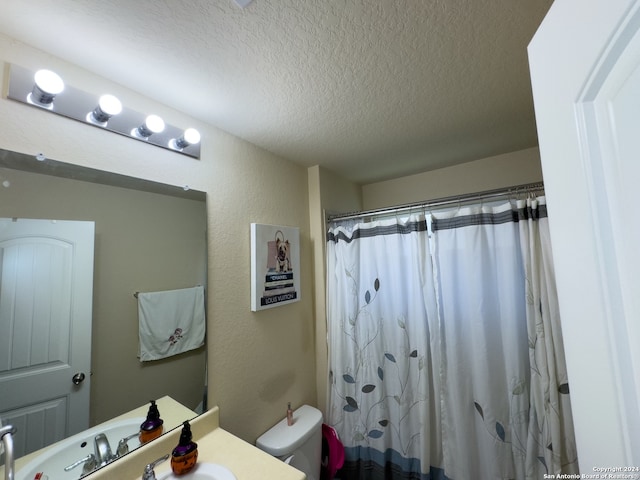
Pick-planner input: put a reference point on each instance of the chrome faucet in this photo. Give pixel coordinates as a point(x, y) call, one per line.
point(6, 433)
point(102, 456)
point(89, 464)
point(123, 446)
point(103, 450)
point(148, 473)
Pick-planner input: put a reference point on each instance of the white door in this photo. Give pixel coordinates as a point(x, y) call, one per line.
point(585, 71)
point(46, 287)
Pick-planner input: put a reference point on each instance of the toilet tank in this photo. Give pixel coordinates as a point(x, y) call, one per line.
point(300, 444)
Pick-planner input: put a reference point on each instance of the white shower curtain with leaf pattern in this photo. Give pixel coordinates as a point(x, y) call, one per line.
point(384, 401)
point(445, 353)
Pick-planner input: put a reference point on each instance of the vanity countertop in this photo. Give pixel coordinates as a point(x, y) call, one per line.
point(215, 445)
point(173, 413)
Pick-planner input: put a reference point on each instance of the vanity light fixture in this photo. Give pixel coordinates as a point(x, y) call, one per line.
point(190, 136)
point(108, 106)
point(50, 94)
point(47, 85)
point(152, 124)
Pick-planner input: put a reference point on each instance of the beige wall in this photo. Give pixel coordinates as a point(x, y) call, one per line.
point(143, 242)
point(257, 361)
point(328, 193)
point(490, 173)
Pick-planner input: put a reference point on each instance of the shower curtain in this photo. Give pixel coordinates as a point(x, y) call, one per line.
point(445, 353)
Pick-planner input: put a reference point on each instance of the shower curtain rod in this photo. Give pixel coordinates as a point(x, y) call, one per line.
point(443, 202)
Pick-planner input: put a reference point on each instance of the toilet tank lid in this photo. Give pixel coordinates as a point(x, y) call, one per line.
point(282, 439)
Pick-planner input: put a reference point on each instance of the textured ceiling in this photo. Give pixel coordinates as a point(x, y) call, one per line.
point(370, 89)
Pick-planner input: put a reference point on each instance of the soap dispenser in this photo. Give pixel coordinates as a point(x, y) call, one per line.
point(152, 427)
point(185, 455)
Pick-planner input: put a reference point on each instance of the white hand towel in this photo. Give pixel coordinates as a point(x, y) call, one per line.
point(170, 322)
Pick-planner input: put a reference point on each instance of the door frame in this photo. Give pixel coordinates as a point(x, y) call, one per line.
point(570, 56)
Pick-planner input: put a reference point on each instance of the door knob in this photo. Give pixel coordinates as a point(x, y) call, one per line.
point(78, 378)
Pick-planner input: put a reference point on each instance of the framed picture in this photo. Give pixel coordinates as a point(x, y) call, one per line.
point(275, 266)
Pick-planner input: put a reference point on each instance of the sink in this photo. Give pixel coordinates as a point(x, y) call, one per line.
point(52, 460)
point(202, 471)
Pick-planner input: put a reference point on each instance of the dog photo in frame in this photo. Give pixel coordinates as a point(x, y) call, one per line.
point(275, 266)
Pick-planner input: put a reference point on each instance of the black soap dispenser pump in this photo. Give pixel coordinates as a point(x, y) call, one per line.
point(185, 455)
point(152, 427)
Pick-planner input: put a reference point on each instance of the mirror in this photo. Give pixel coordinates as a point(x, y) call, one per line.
point(148, 237)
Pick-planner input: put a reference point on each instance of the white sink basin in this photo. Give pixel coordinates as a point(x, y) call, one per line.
point(53, 459)
point(202, 471)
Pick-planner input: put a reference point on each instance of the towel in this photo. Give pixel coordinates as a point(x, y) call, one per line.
point(170, 322)
point(332, 458)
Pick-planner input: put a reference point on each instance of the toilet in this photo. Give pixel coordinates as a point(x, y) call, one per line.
point(299, 445)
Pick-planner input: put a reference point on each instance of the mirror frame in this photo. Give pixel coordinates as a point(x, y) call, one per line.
point(46, 166)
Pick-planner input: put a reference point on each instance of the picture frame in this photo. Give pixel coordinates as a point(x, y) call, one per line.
point(275, 266)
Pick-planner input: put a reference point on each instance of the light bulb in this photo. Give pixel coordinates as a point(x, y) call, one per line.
point(191, 136)
point(108, 106)
point(152, 124)
point(47, 85)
